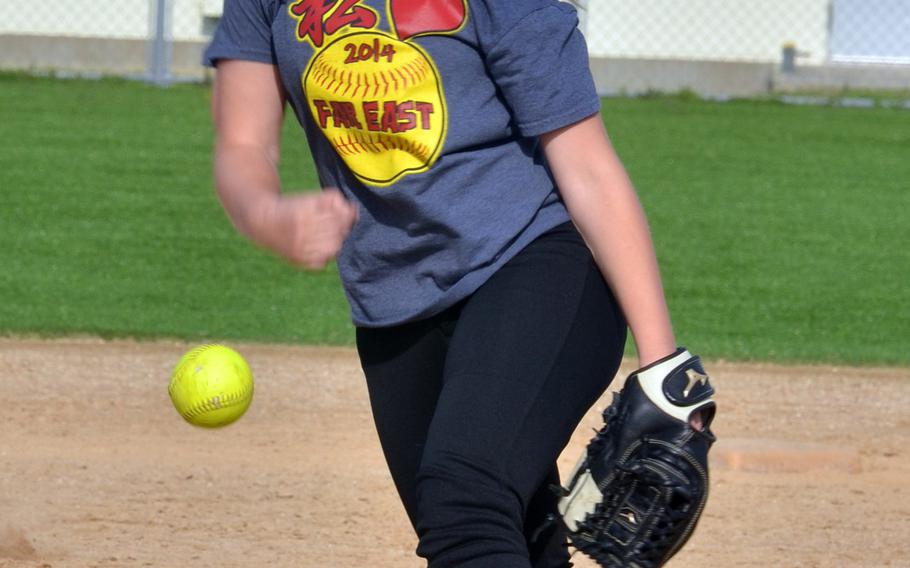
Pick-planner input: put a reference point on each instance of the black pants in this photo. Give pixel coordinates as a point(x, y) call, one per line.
point(474, 405)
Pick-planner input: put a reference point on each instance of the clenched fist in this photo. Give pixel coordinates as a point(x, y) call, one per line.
point(308, 229)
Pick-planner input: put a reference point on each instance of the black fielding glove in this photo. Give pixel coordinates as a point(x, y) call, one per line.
point(639, 489)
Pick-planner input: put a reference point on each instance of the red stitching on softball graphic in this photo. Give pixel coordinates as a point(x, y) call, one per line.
point(340, 146)
point(354, 79)
point(410, 75)
point(362, 142)
point(338, 77)
point(324, 68)
point(331, 83)
point(423, 69)
point(355, 143)
point(417, 149)
point(333, 74)
point(358, 139)
point(336, 74)
point(414, 68)
point(371, 144)
point(404, 80)
point(366, 84)
point(377, 143)
point(394, 81)
point(346, 82)
point(320, 79)
point(316, 74)
point(360, 84)
point(425, 152)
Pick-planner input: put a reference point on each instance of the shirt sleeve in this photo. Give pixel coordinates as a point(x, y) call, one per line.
point(541, 66)
point(244, 32)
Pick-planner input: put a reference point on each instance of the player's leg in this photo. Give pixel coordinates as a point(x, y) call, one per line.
point(403, 366)
point(532, 350)
point(546, 539)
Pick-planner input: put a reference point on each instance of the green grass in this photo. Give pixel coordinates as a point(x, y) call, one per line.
point(109, 225)
point(783, 231)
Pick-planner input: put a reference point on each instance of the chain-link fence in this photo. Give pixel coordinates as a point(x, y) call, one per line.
point(747, 47)
point(823, 31)
point(158, 39)
point(835, 39)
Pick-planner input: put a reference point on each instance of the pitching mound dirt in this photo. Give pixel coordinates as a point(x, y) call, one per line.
point(98, 470)
point(15, 545)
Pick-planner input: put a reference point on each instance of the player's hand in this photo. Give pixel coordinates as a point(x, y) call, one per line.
point(309, 229)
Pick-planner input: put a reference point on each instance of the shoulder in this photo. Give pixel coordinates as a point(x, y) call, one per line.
point(495, 18)
point(262, 9)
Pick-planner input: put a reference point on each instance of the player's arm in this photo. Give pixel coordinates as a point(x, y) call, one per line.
point(248, 104)
point(653, 450)
point(604, 206)
point(247, 110)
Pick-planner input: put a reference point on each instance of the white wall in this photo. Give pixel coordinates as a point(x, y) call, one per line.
point(871, 31)
point(728, 30)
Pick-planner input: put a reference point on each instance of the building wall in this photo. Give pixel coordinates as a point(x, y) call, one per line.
point(870, 31)
point(708, 30)
point(105, 19)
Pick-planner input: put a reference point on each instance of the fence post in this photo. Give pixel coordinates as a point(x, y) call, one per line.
point(159, 59)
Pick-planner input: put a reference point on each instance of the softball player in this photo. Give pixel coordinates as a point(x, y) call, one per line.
point(489, 241)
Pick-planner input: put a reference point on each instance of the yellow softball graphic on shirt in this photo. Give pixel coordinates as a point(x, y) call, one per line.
point(379, 102)
point(211, 386)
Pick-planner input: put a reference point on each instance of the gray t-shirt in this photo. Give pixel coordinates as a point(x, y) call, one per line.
point(425, 113)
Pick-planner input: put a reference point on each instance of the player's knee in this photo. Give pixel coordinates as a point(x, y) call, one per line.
point(466, 516)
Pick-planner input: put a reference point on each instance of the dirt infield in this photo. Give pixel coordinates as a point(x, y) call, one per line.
point(97, 469)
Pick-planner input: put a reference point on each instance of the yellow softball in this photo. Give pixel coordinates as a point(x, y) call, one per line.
point(211, 386)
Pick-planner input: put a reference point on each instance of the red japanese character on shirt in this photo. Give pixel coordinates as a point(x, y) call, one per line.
point(318, 18)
